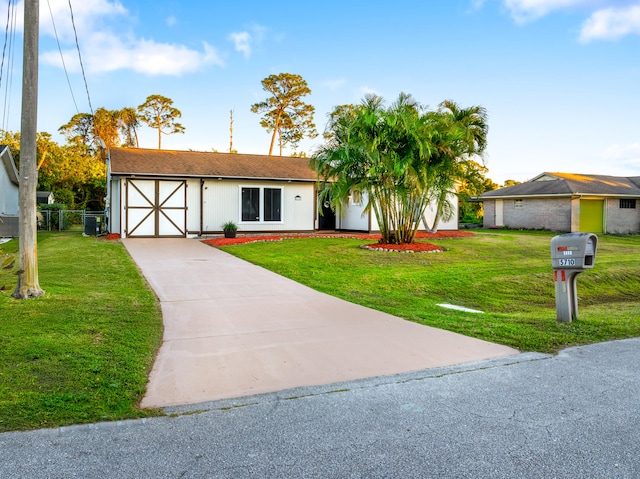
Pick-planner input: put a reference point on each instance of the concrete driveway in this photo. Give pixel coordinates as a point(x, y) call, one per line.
point(234, 329)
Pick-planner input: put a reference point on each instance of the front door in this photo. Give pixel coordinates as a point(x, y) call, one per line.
point(591, 216)
point(327, 219)
point(156, 208)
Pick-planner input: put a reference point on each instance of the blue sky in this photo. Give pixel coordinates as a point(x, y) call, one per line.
point(560, 78)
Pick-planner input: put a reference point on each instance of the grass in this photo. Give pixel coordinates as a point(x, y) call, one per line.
point(506, 274)
point(82, 352)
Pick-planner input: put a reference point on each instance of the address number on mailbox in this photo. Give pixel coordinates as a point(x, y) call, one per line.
point(566, 262)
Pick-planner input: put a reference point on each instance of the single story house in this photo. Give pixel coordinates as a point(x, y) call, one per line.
point(9, 203)
point(567, 202)
point(165, 193)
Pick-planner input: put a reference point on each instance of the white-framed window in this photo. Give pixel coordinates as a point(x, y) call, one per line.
point(261, 204)
point(518, 203)
point(356, 198)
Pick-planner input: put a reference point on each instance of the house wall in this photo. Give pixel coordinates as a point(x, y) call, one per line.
point(115, 207)
point(8, 194)
point(621, 220)
point(353, 218)
point(553, 214)
point(221, 203)
point(489, 218)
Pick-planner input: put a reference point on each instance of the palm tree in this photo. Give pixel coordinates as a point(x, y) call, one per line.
point(400, 158)
point(467, 138)
point(382, 154)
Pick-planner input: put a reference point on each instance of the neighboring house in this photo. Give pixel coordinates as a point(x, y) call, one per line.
point(163, 193)
point(567, 202)
point(44, 198)
point(9, 204)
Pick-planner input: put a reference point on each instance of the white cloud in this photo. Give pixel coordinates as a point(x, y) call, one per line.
point(365, 90)
point(611, 24)
point(523, 11)
point(107, 46)
point(242, 41)
point(334, 84)
point(109, 53)
point(627, 155)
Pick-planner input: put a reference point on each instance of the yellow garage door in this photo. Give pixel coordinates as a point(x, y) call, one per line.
point(591, 216)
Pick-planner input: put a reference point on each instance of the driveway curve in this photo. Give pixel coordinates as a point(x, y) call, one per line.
point(233, 329)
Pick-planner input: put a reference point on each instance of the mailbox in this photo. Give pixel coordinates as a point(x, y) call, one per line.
point(571, 254)
point(574, 251)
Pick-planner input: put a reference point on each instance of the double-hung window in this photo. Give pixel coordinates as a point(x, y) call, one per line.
point(261, 204)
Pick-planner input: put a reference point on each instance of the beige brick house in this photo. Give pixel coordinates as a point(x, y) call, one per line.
point(567, 202)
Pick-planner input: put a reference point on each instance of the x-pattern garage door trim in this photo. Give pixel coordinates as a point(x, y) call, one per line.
point(158, 207)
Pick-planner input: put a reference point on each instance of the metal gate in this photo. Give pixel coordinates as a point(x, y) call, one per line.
point(156, 208)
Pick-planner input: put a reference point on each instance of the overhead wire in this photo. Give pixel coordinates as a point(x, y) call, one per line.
point(7, 54)
point(9, 38)
point(64, 66)
point(75, 32)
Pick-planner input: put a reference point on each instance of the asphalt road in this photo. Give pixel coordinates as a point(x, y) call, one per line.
point(574, 415)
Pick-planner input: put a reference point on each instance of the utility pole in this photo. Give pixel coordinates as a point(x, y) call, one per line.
point(231, 131)
point(28, 285)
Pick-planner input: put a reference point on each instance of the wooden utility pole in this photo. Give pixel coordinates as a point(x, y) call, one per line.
point(231, 131)
point(28, 285)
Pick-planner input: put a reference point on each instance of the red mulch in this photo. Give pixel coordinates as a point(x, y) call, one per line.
point(112, 236)
point(414, 247)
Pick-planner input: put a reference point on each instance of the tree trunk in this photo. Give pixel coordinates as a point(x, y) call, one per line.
point(28, 285)
point(276, 127)
point(159, 138)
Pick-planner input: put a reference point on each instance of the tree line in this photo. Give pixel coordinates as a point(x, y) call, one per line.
point(381, 144)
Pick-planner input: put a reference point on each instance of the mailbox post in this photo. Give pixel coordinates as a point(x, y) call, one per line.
point(571, 254)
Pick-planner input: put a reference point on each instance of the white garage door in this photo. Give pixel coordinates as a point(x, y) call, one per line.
point(156, 208)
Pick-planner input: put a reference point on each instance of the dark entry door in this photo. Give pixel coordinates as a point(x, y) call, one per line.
point(327, 220)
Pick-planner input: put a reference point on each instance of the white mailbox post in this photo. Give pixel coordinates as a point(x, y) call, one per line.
point(571, 254)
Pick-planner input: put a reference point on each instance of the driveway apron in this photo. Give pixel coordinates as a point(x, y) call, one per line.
point(234, 329)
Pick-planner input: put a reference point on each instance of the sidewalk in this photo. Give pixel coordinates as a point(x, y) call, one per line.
point(234, 329)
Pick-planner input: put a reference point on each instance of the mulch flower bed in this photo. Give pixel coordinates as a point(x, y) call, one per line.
point(418, 247)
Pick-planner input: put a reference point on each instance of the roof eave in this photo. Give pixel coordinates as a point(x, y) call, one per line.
point(257, 178)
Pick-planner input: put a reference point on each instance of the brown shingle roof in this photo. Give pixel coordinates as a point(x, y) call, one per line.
point(139, 161)
point(568, 184)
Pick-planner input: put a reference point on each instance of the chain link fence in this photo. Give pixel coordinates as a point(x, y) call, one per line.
point(89, 222)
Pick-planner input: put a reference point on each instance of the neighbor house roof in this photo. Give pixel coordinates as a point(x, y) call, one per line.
point(143, 162)
point(9, 165)
point(570, 184)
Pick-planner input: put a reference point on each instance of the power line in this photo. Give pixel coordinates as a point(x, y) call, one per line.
point(64, 66)
point(75, 32)
point(9, 37)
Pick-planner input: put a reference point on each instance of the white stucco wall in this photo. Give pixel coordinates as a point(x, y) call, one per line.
point(353, 219)
point(221, 203)
point(8, 193)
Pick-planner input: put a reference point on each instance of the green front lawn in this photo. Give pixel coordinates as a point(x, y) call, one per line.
point(505, 274)
point(82, 352)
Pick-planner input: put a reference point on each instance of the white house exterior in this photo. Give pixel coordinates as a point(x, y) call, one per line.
point(354, 219)
point(9, 204)
point(162, 193)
